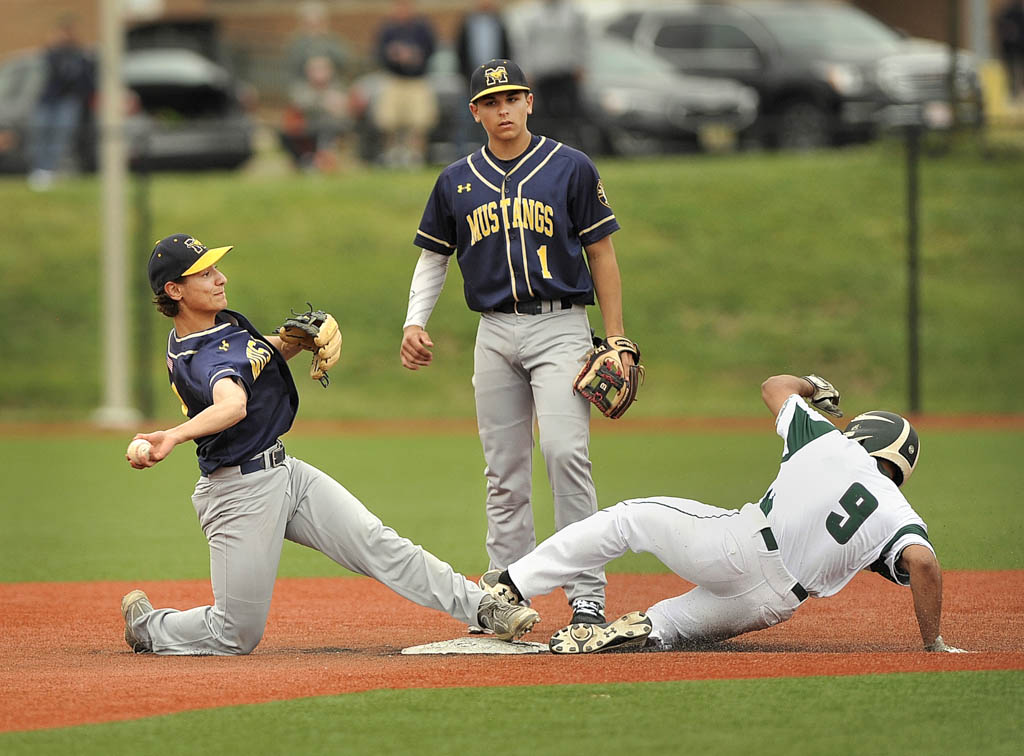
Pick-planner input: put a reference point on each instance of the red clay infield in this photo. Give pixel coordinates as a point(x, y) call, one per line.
point(63, 660)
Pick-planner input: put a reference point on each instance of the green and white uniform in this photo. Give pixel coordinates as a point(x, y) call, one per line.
point(832, 512)
point(827, 515)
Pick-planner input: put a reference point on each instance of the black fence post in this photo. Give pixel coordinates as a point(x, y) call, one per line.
point(913, 144)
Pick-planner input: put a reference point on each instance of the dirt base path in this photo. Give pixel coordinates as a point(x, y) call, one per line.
point(63, 660)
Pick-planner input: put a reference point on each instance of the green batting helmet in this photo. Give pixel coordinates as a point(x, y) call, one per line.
point(888, 436)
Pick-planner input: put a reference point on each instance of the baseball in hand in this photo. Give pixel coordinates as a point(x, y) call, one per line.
point(138, 451)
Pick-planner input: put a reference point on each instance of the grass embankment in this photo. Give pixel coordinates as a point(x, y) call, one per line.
point(734, 267)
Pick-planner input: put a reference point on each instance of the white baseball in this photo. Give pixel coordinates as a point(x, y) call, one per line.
point(138, 451)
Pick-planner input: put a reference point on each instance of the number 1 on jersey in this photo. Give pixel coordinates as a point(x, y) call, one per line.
point(542, 253)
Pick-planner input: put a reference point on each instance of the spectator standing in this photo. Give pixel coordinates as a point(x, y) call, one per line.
point(1010, 30)
point(314, 39)
point(407, 108)
point(482, 36)
point(69, 84)
point(556, 45)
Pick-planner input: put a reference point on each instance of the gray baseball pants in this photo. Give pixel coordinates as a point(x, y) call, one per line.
point(246, 519)
point(524, 366)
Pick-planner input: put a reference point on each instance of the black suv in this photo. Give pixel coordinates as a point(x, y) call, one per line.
point(825, 72)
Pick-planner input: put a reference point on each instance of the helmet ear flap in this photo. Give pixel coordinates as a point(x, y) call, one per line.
point(888, 436)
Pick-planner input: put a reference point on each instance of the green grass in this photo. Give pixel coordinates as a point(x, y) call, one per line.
point(963, 713)
point(734, 267)
point(74, 510)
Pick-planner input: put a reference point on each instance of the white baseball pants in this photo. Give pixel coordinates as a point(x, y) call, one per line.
point(247, 517)
point(742, 585)
point(524, 367)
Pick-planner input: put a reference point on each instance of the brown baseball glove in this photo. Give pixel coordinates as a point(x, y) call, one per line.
point(317, 332)
point(603, 380)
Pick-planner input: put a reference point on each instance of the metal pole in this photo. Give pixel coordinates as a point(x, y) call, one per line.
point(954, 46)
point(913, 134)
point(117, 410)
point(979, 26)
point(143, 308)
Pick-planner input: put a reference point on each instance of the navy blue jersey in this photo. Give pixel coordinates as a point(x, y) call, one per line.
point(519, 226)
point(233, 348)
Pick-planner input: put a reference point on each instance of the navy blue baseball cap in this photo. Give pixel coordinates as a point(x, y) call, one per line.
point(497, 75)
point(180, 255)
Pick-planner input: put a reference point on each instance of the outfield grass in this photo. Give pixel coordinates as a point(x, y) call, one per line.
point(963, 713)
point(735, 267)
point(76, 511)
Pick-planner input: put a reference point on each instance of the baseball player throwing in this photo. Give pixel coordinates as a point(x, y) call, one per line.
point(524, 216)
point(834, 508)
point(237, 391)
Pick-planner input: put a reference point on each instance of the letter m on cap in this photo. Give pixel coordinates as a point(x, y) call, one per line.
point(195, 245)
point(496, 76)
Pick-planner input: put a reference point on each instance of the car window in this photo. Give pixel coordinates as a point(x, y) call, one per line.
point(727, 37)
point(679, 36)
point(728, 48)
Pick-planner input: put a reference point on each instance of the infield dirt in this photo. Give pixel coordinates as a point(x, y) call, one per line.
point(63, 660)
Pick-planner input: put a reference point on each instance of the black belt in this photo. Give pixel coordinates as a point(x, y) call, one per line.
point(535, 306)
point(270, 458)
point(772, 545)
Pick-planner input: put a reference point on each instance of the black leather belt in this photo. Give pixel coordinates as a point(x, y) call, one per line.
point(270, 458)
point(772, 545)
point(535, 306)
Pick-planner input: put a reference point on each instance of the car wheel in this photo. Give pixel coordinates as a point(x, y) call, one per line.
point(802, 125)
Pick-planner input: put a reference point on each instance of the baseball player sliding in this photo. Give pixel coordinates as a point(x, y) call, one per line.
point(834, 508)
point(525, 216)
point(238, 394)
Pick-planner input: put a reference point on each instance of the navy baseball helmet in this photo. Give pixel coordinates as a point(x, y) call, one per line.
point(180, 255)
point(888, 436)
point(498, 75)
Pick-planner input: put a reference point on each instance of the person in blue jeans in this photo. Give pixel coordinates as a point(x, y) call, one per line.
point(69, 83)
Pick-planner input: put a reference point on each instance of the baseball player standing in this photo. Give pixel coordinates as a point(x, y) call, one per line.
point(834, 508)
point(524, 215)
point(237, 391)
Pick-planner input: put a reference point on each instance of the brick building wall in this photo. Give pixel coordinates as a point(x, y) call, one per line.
point(264, 25)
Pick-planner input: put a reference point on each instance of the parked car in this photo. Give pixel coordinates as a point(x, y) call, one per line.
point(825, 72)
point(185, 112)
point(640, 104)
point(191, 115)
point(636, 104)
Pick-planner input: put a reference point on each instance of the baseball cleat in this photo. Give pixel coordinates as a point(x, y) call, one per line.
point(490, 582)
point(586, 612)
point(507, 621)
point(134, 605)
point(628, 630)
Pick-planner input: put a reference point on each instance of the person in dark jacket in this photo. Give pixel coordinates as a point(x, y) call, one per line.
point(1010, 30)
point(407, 108)
point(69, 84)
